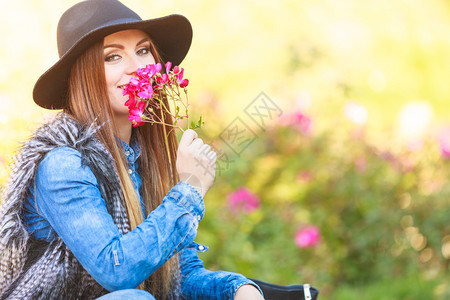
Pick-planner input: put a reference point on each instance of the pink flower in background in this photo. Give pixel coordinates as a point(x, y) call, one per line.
point(298, 121)
point(243, 200)
point(304, 176)
point(360, 164)
point(308, 236)
point(444, 142)
point(445, 151)
point(301, 122)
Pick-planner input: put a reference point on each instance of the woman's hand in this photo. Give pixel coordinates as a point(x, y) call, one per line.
point(196, 163)
point(248, 292)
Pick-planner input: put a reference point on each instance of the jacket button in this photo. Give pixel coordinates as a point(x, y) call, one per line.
point(130, 171)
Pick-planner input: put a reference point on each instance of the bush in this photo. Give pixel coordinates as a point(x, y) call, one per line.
point(381, 214)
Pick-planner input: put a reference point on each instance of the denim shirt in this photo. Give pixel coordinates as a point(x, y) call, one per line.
point(66, 201)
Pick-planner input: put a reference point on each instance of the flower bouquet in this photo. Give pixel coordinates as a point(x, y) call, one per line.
point(151, 92)
point(147, 92)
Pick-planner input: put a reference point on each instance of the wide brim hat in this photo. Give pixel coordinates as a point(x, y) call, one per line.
point(89, 21)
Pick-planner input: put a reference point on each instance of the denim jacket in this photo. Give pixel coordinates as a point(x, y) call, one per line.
point(65, 201)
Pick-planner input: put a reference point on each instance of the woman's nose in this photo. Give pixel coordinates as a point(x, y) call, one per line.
point(133, 64)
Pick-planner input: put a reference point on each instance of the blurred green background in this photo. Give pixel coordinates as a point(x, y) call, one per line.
point(359, 147)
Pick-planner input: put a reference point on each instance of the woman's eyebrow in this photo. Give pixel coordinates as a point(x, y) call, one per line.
point(119, 46)
point(143, 41)
point(114, 46)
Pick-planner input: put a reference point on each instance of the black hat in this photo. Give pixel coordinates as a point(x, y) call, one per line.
point(87, 22)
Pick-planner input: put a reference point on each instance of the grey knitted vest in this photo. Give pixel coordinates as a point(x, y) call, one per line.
point(31, 269)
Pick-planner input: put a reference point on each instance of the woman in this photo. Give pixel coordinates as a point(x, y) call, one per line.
point(95, 208)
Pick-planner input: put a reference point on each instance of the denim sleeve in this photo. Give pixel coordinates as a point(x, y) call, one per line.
point(199, 283)
point(68, 197)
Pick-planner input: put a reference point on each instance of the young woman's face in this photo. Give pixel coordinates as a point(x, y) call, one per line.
point(124, 52)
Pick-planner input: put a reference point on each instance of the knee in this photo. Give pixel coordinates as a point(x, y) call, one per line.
point(141, 295)
point(130, 294)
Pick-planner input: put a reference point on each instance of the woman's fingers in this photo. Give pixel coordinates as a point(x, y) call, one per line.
point(204, 149)
point(196, 143)
point(188, 137)
point(196, 162)
point(212, 154)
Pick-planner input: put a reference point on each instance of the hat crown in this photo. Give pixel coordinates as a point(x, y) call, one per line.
point(88, 16)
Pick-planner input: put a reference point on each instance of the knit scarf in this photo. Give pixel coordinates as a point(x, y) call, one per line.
point(31, 269)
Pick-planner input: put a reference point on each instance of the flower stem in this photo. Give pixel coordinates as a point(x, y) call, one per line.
point(166, 138)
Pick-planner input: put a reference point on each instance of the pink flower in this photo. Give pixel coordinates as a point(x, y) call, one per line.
point(445, 152)
point(308, 236)
point(134, 82)
point(184, 83)
point(147, 72)
point(302, 122)
point(180, 75)
point(360, 164)
point(136, 114)
point(151, 87)
point(298, 121)
point(131, 87)
point(131, 102)
point(164, 78)
point(243, 200)
point(158, 68)
point(444, 142)
point(146, 92)
point(304, 176)
point(168, 66)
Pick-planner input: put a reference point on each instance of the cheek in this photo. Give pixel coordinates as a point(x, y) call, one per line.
point(117, 103)
point(149, 60)
point(112, 76)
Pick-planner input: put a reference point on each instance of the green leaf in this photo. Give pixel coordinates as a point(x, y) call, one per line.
point(200, 123)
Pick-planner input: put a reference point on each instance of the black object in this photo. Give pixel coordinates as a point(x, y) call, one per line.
point(289, 292)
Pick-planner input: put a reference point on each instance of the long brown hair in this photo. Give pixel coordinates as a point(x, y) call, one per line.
point(88, 102)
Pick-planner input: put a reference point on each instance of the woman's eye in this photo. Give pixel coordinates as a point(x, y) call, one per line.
point(143, 51)
point(112, 57)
